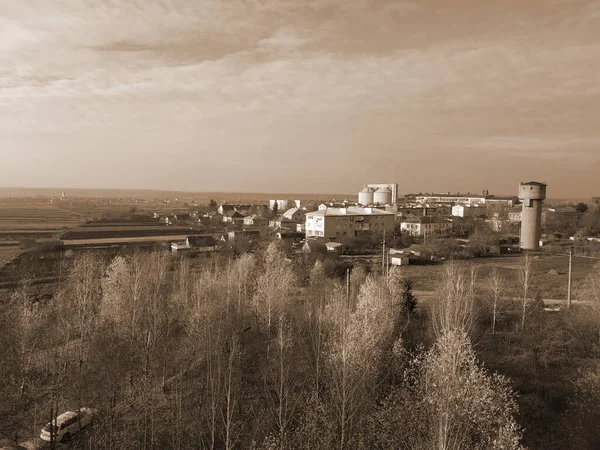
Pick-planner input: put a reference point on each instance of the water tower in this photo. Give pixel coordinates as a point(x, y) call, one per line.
point(532, 194)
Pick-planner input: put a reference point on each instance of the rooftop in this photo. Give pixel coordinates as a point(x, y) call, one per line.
point(532, 183)
point(351, 211)
point(427, 219)
point(201, 240)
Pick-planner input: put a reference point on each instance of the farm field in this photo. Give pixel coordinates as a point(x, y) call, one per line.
point(36, 217)
point(133, 230)
point(123, 240)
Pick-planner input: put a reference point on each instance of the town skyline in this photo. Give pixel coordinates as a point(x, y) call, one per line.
point(276, 96)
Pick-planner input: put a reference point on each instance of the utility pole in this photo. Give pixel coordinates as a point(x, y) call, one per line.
point(383, 256)
point(347, 287)
point(570, 274)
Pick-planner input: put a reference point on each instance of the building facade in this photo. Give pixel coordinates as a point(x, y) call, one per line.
point(426, 226)
point(353, 221)
point(468, 200)
point(461, 210)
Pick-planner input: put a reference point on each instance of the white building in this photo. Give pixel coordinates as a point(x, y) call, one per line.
point(426, 226)
point(461, 210)
point(348, 222)
point(399, 257)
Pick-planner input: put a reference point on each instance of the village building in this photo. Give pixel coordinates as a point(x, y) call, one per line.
point(426, 226)
point(462, 210)
point(399, 257)
point(514, 215)
point(353, 221)
point(295, 214)
point(234, 217)
point(256, 220)
point(250, 235)
point(243, 209)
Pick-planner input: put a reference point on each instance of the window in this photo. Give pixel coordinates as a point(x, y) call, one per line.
point(69, 422)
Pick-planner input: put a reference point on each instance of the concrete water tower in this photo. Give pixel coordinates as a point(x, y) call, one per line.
point(532, 194)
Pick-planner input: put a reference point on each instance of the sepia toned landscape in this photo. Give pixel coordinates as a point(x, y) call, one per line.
point(183, 326)
point(299, 225)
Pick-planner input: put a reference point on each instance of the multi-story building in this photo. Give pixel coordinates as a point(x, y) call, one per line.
point(353, 221)
point(426, 226)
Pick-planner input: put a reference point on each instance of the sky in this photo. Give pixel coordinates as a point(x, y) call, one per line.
point(301, 95)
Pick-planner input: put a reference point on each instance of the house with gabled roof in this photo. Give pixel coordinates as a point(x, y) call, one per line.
point(234, 216)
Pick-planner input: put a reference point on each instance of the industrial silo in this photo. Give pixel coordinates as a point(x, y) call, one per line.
point(532, 194)
point(365, 197)
point(383, 196)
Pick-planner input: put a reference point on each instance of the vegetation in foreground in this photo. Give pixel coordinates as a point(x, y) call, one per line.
point(262, 352)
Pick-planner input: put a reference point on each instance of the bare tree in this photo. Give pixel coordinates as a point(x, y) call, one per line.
point(495, 284)
point(279, 383)
point(357, 346)
point(447, 401)
point(274, 286)
point(28, 316)
point(525, 281)
point(453, 310)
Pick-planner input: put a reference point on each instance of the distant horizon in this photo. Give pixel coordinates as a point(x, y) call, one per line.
point(130, 192)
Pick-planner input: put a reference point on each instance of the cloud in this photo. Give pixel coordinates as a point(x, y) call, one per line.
point(393, 75)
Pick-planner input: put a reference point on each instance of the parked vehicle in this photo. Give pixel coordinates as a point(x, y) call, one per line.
point(66, 425)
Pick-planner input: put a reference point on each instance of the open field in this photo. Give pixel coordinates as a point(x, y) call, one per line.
point(100, 230)
point(150, 194)
point(36, 217)
point(123, 240)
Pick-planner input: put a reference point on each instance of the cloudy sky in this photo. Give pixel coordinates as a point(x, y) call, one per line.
point(301, 95)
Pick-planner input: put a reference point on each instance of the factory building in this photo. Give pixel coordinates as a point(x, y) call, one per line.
point(532, 194)
point(378, 194)
point(469, 200)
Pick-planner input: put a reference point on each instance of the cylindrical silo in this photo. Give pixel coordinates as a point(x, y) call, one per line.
point(532, 194)
point(365, 197)
point(382, 196)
